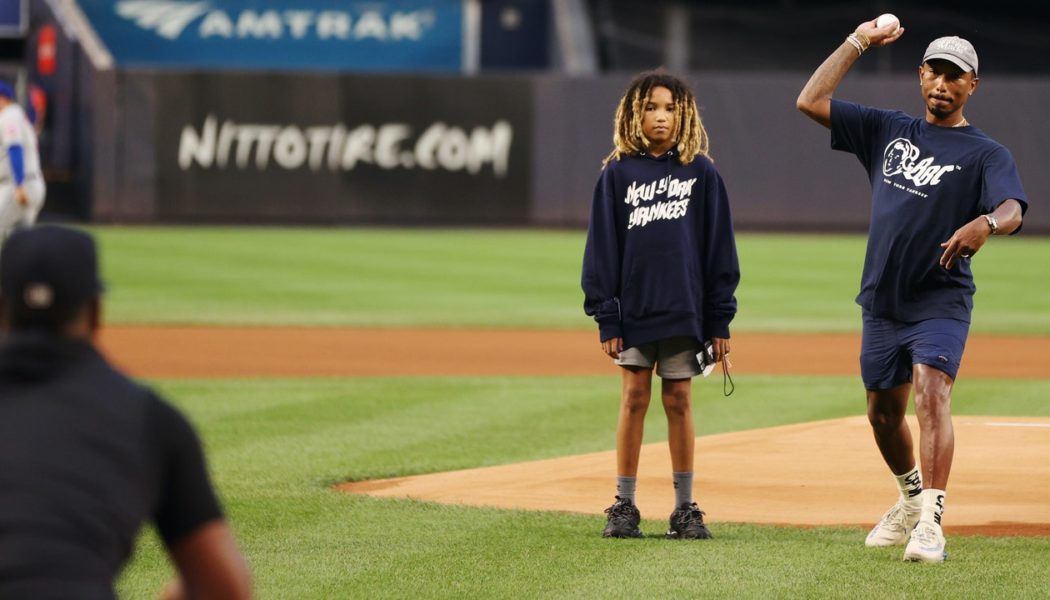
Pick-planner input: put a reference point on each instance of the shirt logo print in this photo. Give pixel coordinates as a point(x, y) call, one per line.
point(901, 157)
point(676, 194)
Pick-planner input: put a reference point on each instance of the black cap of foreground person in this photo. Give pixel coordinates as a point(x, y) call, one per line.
point(47, 275)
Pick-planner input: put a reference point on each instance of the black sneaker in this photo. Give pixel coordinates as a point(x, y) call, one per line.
point(623, 520)
point(687, 523)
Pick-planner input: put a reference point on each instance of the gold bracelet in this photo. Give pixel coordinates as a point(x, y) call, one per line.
point(859, 41)
point(856, 44)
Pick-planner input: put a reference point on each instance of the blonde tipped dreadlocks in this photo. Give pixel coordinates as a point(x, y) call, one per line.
point(689, 133)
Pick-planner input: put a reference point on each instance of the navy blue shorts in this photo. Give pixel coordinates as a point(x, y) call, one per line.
point(889, 348)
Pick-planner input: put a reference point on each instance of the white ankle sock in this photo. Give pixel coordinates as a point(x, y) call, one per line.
point(932, 505)
point(910, 486)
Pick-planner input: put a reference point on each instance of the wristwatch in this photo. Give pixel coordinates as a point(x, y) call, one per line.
point(992, 222)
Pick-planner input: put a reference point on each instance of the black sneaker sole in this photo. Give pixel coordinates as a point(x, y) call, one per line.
point(625, 535)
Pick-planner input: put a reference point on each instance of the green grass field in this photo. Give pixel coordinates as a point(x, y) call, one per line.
point(276, 445)
point(503, 278)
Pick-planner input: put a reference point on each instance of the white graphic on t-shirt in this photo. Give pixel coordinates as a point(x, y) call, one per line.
point(901, 157)
point(678, 193)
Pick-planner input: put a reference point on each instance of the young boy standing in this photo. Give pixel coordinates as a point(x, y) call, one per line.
point(659, 272)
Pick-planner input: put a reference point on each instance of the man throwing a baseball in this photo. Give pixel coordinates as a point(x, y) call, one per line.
point(940, 188)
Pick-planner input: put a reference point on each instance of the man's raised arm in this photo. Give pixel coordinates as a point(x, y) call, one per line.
point(815, 98)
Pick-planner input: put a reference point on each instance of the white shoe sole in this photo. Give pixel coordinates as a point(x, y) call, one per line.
point(877, 542)
point(919, 557)
point(884, 544)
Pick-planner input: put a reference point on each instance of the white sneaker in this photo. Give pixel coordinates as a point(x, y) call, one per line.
point(927, 543)
point(894, 527)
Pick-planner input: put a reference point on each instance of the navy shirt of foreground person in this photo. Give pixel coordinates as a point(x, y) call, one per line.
point(87, 455)
point(922, 179)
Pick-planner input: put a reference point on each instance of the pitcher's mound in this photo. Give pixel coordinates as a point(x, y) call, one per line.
point(811, 474)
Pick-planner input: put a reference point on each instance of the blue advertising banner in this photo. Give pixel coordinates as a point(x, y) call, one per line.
point(373, 35)
point(14, 17)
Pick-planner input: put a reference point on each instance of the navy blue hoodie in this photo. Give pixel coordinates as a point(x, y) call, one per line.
point(661, 259)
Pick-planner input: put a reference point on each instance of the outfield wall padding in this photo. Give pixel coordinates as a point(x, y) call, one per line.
point(230, 147)
point(258, 148)
point(778, 165)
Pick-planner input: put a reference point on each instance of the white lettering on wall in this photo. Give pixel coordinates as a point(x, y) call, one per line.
point(342, 148)
point(171, 18)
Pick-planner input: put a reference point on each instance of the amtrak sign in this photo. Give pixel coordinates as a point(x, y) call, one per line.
point(292, 34)
point(170, 20)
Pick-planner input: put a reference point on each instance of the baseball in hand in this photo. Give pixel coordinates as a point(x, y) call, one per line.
point(887, 19)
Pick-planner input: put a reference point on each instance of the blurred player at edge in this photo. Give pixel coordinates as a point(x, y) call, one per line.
point(940, 188)
point(21, 183)
point(659, 272)
point(86, 454)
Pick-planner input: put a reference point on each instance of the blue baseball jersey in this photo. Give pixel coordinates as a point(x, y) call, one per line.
point(926, 182)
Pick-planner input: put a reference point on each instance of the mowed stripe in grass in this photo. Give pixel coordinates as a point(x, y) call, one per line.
point(496, 278)
point(358, 547)
point(276, 445)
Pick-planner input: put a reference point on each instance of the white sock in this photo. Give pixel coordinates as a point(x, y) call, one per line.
point(910, 486)
point(932, 505)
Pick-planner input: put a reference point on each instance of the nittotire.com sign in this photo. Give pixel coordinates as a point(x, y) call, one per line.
point(352, 148)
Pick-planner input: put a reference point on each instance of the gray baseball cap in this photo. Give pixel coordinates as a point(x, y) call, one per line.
point(955, 49)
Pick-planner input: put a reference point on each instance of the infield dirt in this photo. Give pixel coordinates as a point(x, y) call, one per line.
point(809, 474)
point(306, 352)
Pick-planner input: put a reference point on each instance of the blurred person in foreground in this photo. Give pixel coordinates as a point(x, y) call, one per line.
point(940, 188)
point(87, 455)
point(22, 187)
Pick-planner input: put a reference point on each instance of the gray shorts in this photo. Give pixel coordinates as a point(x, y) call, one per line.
point(675, 358)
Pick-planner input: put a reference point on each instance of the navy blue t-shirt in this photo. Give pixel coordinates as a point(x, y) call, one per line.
point(926, 182)
point(660, 259)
